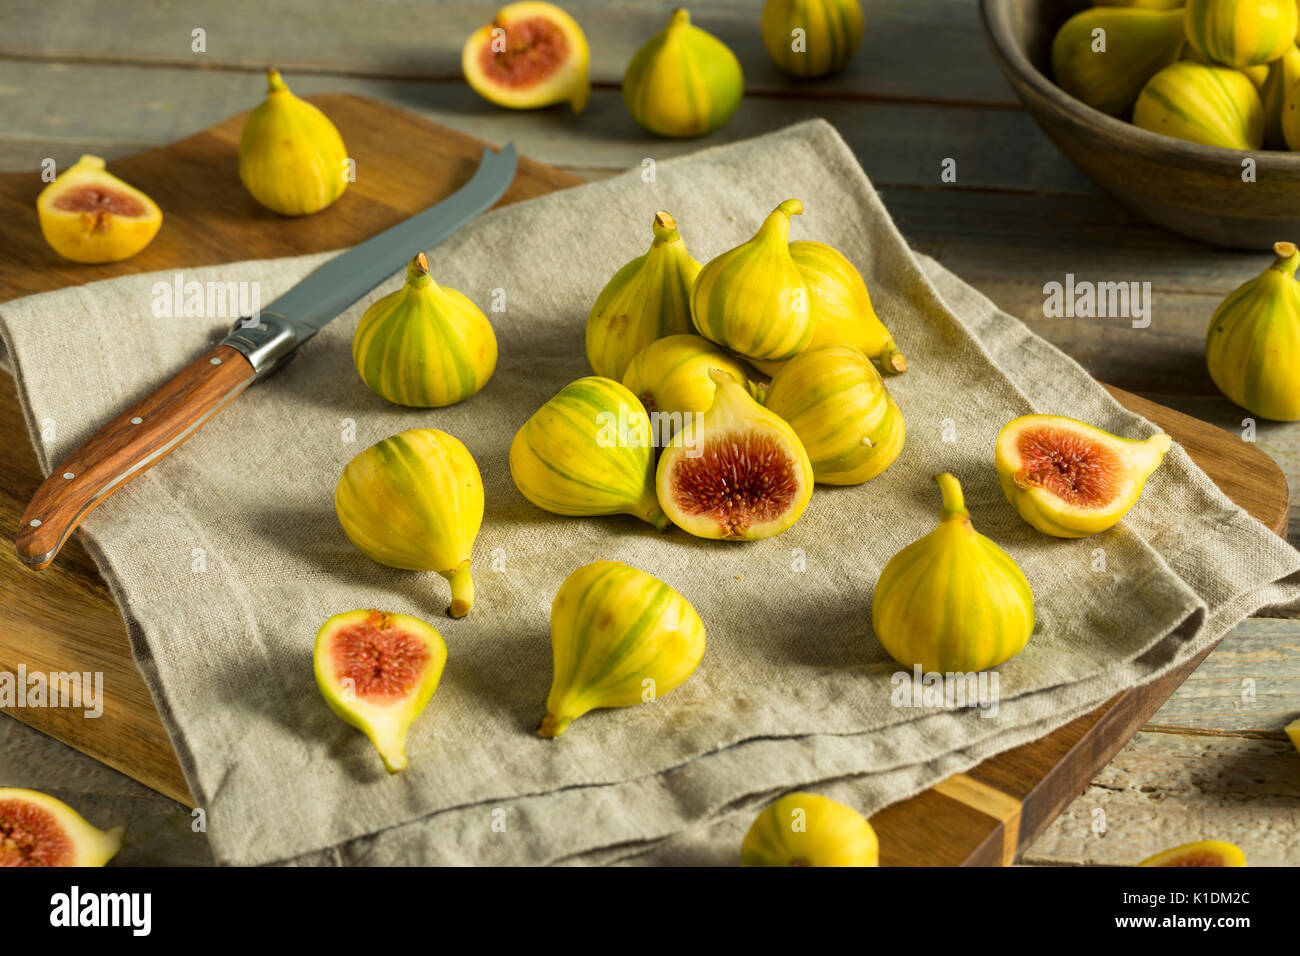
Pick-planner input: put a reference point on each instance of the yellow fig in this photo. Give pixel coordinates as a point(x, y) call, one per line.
point(424, 345)
point(1206, 104)
point(1071, 480)
point(952, 601)
point(1108, 71)
point(1241, 32)
point(1253, 345)
point(38, 830)
point(619, 637)
point(89, 215)
point(415, 501)
point(753, 299)
point(647, 299)
point(671, 375)
point(1293, 731)
point(1142, 4)
point(530, 56)
point(807, 829)
point(588, 451)
point(811, 38)
point(291, 157)
point(683, 82)
point(1202, 853)
point(1277, 91)
point(377, 672)
point(842, 310)
point(837, 404)
point(737, 472)
point(1286, 68)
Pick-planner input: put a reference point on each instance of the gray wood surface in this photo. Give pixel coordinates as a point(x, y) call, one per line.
point(118, 76)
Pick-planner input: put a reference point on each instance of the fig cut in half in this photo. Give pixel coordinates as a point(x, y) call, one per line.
point(737, 472)
point(1069, 479)
point(1203, 853)
point(37, 830)
point(531, 55)
point(89, 215)
point(377, 671)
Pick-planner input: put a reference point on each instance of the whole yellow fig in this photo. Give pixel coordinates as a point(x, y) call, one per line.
point(1241, 32)
point(1069, 479)
point(415, 501)
point(671, 376)
point(812, 38)
point(1142, 4)
point(89, 215)
point(807, 829)
point(1108, 71)
point(648, 299)
point(842, 310)
point(1213, 105)
point(753, 299)
point(291, 157)
point(1293, 731)
point(1201, 853)
point(424, 345)
point(835, 401)
point(619, 638)
point(952, 601)
point(683, 82)
point(1279, 96)
point(1253, 345)
point(589, 451)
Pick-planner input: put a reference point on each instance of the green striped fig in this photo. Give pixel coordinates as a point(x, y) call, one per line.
point(812, 38)
point(1206, 104)
point(671, 376)
point(1138, 43)
point(424, 345)
point(753, 299)
point(619, 637)
point(952, 601)
point(1278, 90)
point(1241, 33)
point(589, 451)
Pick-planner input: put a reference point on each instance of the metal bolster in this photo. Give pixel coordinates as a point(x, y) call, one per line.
point(265, 343)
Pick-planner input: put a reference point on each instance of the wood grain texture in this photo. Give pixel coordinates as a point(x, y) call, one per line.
point(979, 823)
point(126, 447)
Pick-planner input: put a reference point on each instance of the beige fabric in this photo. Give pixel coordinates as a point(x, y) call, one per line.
point(793, 690)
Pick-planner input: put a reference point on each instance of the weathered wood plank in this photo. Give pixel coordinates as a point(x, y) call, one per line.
point(932, 50)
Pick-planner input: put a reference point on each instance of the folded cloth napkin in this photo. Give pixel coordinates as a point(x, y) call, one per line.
point(226, 558)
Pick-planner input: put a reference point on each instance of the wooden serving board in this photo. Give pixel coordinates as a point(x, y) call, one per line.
point(64, 618)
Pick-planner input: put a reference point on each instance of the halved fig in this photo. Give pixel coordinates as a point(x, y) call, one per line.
point(377, 671)
point(1203, 853)
point(1069, 479)
point(89, 215)
point(737, 472)
point(531, 55)
point(37, 830)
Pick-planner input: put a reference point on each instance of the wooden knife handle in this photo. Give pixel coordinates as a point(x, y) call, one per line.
point(127, 446)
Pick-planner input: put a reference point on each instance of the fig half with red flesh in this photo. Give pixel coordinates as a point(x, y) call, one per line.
point(89, 215)
point(38, 830)
point(530, 56)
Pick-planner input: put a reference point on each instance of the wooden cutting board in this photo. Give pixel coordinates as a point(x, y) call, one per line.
point(64, 618)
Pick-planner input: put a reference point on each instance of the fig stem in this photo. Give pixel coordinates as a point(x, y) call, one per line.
point(1288, 257)
point(462, 590)
point(553, 726)
point(273, 82)
point(681, 18)
point(891, 361)
point(417, 272)
point(954, 502)
point(665, 229)
point(777, 225)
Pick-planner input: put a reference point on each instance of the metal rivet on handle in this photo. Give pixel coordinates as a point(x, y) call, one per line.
point(137, 420)
point(215, 361)
point(68, 476)
point(36, 522)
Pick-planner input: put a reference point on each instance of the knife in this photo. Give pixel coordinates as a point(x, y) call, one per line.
point(153, 427)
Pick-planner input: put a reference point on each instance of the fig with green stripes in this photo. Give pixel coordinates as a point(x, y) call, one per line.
point(1201, 853)
point(1138, 43)
point(1213, 105)
point(738, 472)
point(647, 299)
point(811, 38)
point(842, 310)
point(1279, 96)
point(807, 829)
point(684, 82)
point(425, 345)
point(838, 405)
point(1252, 347)
point(589, 451)
point(1240, 33)
point(671, 376)
point(36, 830)
point(377, 672)
point(952, 601)
point(1070, 479)
point(619, 637)
point(415, 501)
point(753, 299)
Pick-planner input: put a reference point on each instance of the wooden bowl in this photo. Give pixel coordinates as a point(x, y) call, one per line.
point(1187, 187)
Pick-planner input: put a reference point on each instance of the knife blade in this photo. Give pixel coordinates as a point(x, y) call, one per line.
point(153, 427)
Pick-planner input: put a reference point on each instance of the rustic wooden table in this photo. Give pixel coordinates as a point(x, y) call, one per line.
point(117, 76)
